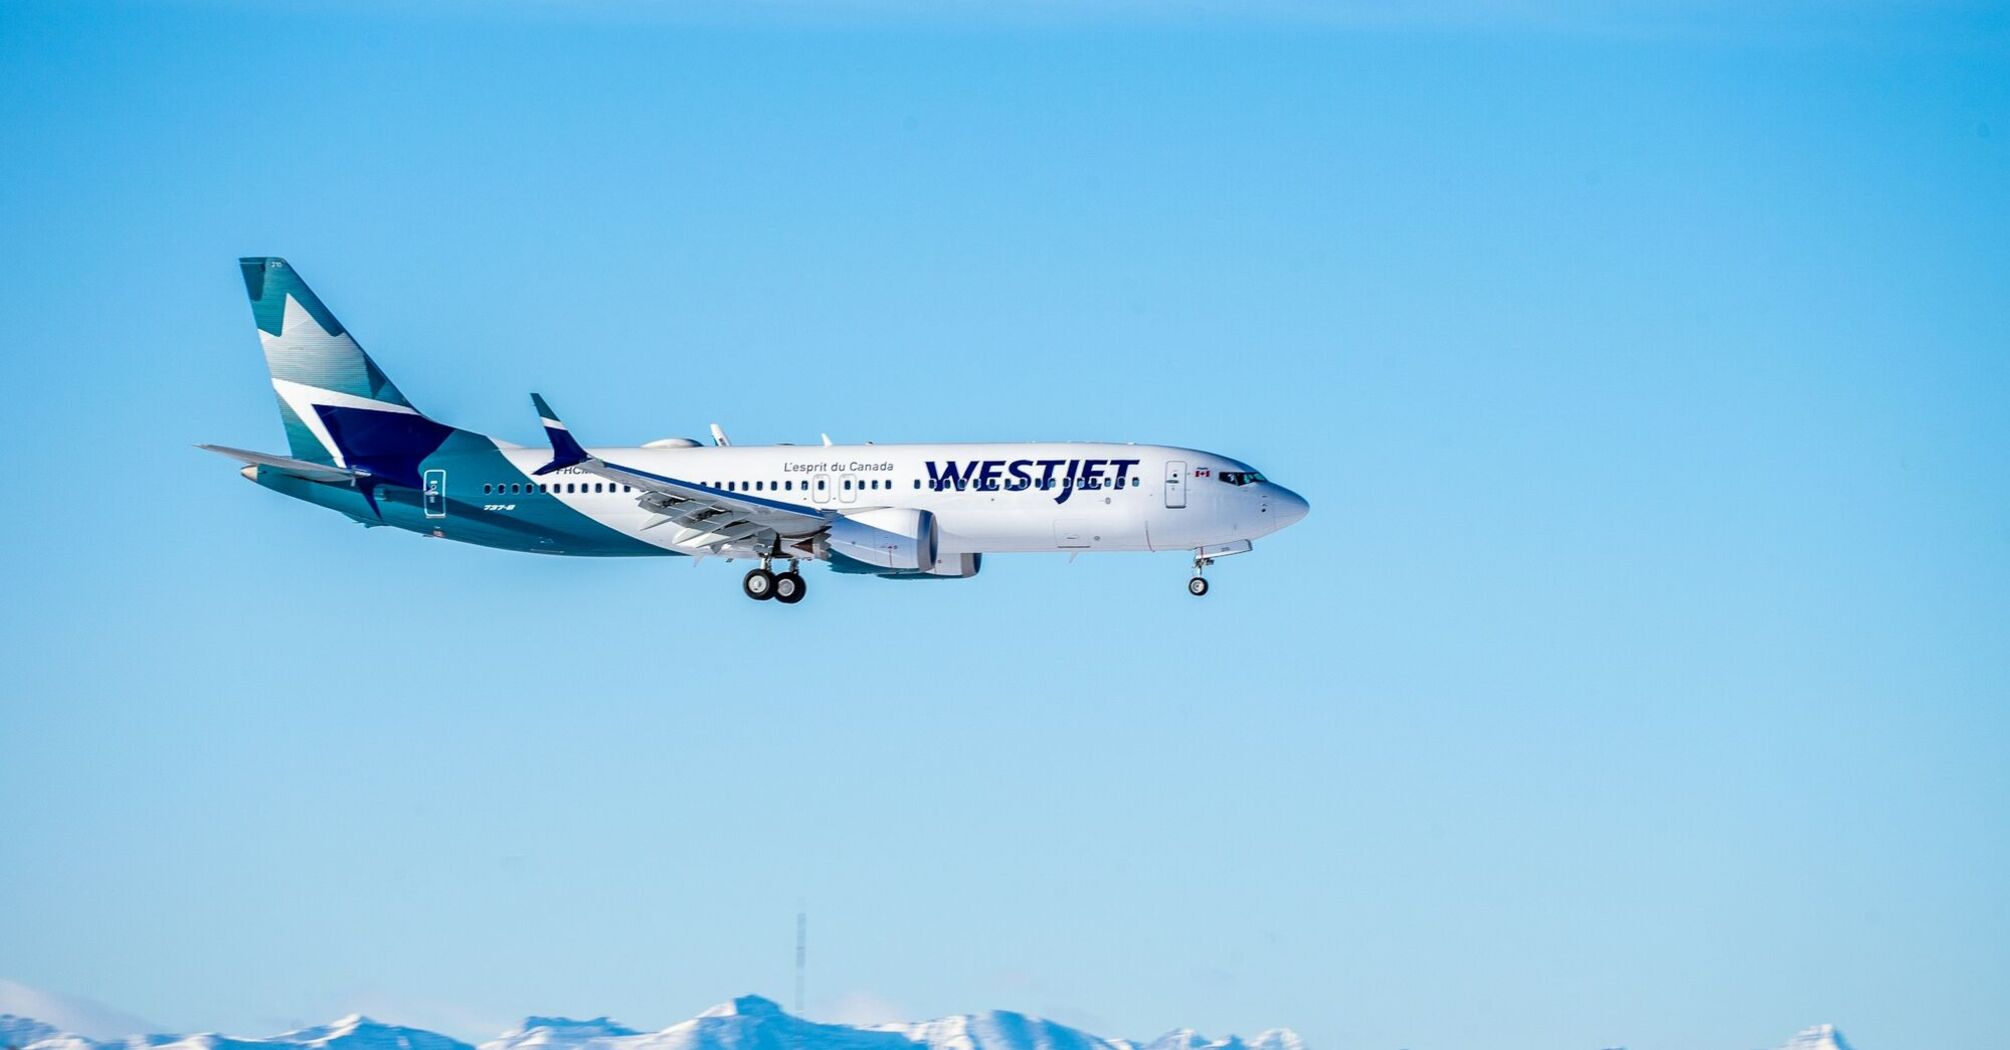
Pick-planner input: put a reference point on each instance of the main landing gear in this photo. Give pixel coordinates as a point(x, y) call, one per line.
point(763, 583)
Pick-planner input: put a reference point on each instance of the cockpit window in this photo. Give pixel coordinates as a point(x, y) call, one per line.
point(1240, 477)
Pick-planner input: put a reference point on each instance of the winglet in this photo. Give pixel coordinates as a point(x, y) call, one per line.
point(565, 452)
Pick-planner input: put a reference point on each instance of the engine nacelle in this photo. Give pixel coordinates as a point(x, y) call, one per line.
point(892, 539)
point(955, 567)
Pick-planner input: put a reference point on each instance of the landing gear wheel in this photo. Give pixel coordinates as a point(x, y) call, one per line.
point(789, 588)
point(759, 584)
point(1197, 586)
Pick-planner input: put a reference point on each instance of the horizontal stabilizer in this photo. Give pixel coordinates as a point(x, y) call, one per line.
point(299, 468)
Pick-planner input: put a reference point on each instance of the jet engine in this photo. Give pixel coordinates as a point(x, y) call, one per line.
point(952, 567)
point(891, 539)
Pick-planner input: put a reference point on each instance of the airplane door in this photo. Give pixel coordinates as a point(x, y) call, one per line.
point(821, 491)
point(848, 489)
point(436, 493)
point(1176, 483)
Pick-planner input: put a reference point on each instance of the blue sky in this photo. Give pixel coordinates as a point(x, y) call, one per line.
point(1639, 677)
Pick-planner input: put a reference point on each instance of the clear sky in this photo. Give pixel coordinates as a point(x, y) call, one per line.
point(1641, 675)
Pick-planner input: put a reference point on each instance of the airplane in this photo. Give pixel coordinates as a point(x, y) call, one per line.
point(895, 511)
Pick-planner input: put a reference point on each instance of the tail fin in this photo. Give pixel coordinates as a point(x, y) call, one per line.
point(338, 406)
point(314, 360)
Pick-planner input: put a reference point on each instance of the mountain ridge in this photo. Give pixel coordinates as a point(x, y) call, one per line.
point(749, 1022)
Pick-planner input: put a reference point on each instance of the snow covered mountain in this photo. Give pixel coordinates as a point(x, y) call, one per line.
point(754, 1023)
point(747, 1023)
point(1820, 1037)
point(21, 1031)
point(354, 1032)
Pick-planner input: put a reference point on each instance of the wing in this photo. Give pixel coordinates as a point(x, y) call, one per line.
point(706, 517)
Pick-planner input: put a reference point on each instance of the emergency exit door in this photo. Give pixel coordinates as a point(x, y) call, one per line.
point(1176, 483)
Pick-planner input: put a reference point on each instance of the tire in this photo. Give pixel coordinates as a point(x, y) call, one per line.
point(789, 588)
point(759, 584)
point(1197, 586)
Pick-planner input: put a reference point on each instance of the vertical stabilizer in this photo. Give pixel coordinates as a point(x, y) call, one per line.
point(314, 361)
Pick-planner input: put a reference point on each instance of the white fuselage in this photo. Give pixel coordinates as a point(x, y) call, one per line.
point(986, 498)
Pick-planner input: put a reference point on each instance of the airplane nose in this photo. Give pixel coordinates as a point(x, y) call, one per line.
point(1289, 506)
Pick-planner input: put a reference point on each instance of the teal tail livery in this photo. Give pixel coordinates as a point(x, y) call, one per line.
point(314, 361)
point(903, 512)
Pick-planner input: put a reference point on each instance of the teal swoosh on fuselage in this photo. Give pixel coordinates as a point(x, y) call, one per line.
point(538, 523)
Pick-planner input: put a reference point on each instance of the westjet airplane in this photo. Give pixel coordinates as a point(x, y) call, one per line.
point(901, 512)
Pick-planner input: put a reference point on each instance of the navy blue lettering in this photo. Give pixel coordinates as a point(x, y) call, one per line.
point(943, 476)
point(1067, 482)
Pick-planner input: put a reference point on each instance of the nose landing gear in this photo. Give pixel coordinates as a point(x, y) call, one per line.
point(1205, 556)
